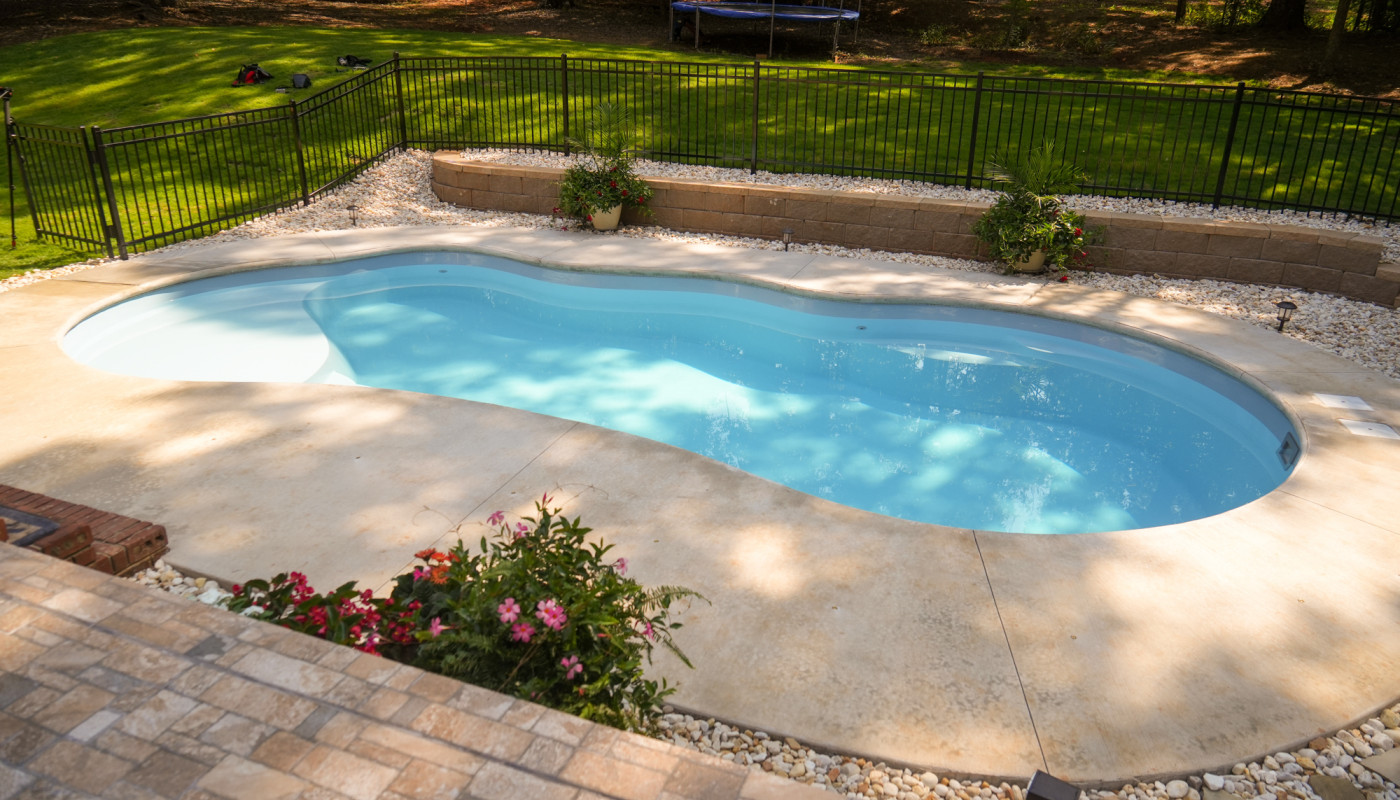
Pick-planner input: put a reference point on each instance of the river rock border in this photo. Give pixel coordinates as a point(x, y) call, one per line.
point(1319, 260)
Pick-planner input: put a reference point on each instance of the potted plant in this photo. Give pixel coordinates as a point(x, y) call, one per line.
point(602, 182)
point(1029, 227)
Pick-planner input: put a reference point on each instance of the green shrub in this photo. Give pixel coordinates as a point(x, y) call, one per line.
point(603, 176)
point(543, 614)
point(537, 612)
point(1028, 216)
point(936, 36)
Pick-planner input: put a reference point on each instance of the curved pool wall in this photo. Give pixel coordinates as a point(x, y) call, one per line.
point(952, 415)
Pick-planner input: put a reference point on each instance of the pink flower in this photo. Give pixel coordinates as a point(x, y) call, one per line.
point(509, 611)
point(571, 667)
point(521, 632)
point(521, 529)
point(551, 614)
point(544, 501)
point(621, 566)
point(419, 573)
point(436, 627)
point(647, 630)
point(496, 517)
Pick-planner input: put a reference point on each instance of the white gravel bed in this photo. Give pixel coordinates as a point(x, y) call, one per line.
point(397, 193)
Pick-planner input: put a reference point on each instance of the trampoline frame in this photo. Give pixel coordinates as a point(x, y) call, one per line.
point(773, 15)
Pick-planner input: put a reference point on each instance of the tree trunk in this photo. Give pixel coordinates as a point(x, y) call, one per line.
point(1285, 15)
point(1334, 39)
point(1180, 11)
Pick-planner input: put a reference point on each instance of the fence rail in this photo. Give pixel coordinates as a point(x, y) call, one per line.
point(138, 187)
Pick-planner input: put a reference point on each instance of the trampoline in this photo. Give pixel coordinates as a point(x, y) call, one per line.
point(772, 12)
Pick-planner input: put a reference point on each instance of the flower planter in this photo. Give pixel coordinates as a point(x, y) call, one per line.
point(607, 220)
point(1036, 263)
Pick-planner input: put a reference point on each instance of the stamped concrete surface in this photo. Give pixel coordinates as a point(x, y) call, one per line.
point(1097, 656)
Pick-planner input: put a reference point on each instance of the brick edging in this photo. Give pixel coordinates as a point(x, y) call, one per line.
point(1319, 260)
point(107, 542)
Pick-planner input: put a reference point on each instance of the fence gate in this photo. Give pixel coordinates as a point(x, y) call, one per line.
point(61, 184)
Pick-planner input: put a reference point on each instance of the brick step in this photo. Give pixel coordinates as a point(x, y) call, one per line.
point(1389, 272)
point(101, 540)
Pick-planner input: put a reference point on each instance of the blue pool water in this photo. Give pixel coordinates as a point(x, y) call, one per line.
point(963, 417)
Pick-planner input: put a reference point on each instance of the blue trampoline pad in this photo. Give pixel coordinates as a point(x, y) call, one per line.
point(766, 10)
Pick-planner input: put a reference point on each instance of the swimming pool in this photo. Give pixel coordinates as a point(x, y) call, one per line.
point(957, 416)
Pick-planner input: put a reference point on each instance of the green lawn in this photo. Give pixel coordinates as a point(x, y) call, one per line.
point(894, 122)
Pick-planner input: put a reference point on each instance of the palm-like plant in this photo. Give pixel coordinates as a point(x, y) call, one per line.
point(603, 177)
point(1029, 217)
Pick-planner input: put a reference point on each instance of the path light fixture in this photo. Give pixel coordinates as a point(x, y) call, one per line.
point(1285, 312)
point(1044, 786)
point(354, 215)
point(787, 238)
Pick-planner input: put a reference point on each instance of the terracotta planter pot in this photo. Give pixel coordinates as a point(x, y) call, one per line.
point(607, 220)
point(1036, 263)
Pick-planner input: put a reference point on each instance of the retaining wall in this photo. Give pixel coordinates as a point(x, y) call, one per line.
point(1346, 264)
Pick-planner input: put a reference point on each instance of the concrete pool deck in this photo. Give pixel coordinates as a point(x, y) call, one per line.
point(1097, 656)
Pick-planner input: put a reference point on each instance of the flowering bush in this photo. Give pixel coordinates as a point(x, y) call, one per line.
point(345, 616)
point(603, 176)
point(543, 614)
point(538, 612)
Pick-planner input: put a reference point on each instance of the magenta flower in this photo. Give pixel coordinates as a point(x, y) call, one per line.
point(544, 501)
point(621, 566)
point(571, 667)
point(521, 632)
point(436, 627)
point(419, 573)
point(509, 611)
point(551, 614)
point(495, 518)
point(521, 529)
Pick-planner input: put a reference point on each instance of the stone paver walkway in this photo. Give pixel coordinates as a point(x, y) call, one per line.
point(112, 690)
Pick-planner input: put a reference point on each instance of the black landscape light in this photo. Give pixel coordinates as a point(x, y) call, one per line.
point(354, 215)
point(787, 238)
point(1044, 786)
point(1285, 312)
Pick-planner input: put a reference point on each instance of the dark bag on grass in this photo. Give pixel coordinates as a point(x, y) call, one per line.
point(250, 74)
point(301, 81)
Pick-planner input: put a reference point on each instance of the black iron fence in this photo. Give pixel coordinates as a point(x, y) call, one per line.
point(133, 188)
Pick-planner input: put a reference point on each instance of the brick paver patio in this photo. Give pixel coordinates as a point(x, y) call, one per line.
point(110, 689)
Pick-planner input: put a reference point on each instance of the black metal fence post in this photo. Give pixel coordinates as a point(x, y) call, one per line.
point(10, 162)
point(1229, 144)
point(114, 228)
point(753, 152)
point(972, 137)
point(398, 95)
point(564, 89)
point(301, 155)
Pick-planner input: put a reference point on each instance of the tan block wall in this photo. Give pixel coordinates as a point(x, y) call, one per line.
point(1277, 255)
